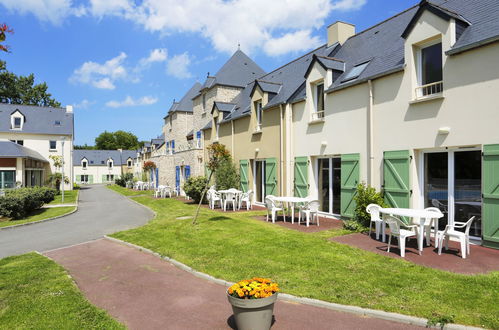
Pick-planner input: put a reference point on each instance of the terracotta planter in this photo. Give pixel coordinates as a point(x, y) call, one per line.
point(253, 314)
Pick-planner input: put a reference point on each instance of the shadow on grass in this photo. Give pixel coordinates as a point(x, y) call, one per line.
point(219, 218)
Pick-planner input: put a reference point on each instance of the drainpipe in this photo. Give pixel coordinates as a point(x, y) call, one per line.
point(232, 138)
point(281, 151)
point(370, 174)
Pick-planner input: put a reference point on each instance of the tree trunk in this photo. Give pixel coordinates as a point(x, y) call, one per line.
point(194, 221)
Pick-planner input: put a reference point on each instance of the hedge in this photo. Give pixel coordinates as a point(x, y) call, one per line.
point(18, 203)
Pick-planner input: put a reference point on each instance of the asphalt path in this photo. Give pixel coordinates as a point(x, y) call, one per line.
point(100, 212)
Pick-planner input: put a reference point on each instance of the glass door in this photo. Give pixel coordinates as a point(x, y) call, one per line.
point(329, 184)
point(436, 188)
point(7, 179)
point(259, 178)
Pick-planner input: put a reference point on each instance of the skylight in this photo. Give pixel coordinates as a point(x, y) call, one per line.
point(355, 72)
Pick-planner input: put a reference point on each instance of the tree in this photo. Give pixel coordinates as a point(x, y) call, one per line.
point(117, 140)
point(83, 147)
point(4, 29)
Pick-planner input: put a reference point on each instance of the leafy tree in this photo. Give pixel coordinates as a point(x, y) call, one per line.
point(116, 140)
point(4, 29)
point(226, 175)
point(83, 147)
point(16, 89)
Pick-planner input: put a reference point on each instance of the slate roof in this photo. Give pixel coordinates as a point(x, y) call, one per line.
point(238, 71)
point(224, 106)
point(185, 104)
point(10, 149)
point(100, 157)
point(40, 120)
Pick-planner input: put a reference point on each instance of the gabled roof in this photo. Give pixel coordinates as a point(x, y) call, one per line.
point(266, 86)
point(38, 120)
point(100, 157)
point(223, 106)
point(328, 63)
point(185, 104)
point(10, 149)
point(238, 71)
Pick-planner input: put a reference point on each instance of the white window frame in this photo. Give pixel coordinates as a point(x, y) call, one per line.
point(50, 145)
point(84, 164)
point(419, 66)
point(82, 177)
point(110, 164)
point(129, 163)
point(259, 115)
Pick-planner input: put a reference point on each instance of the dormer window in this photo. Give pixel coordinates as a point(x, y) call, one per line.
point(430, 73)
point(84, 164)
point(129, 163)
point(318, 113)
point(17, 122)
point(259, 113)
point(57, 123)
point(355, 72)
point(110, 164)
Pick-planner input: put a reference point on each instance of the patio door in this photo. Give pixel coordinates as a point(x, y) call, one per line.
point(259, 180)
point(453, 183)
point(7, 179)
point(329, 184)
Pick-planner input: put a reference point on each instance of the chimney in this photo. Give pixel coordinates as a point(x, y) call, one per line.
point(339, 32)
point(69, 108)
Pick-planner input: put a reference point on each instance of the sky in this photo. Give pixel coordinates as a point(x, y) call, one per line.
point(121, 63)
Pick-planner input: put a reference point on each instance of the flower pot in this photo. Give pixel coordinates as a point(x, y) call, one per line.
point(253, 314)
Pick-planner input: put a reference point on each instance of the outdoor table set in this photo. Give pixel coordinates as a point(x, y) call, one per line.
point(306, 206)
point(419, 223)
point(229, 197)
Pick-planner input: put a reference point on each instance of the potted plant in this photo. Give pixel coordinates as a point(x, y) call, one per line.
point(253, 303)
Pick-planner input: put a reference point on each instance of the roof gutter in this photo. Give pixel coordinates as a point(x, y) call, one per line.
point(472, 45)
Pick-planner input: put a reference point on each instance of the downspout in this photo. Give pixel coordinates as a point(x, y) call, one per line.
point(232, 138)
point(370, 121)
point(281, 151)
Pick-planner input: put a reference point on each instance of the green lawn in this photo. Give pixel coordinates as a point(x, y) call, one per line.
point(234, 246)
point(36, 293)
point(38, 215)
point(70, 197)
point(130, 192)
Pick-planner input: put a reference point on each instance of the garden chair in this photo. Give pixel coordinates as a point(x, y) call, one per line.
point(429, 223)
point(159, 191)
point(373, 210)
point(230, 198)
point(439, 205)
point(246, 198)
point(396, 229)
point(166, 191)
point(463, 237)
point(273, 208)
point(215, 198)
point(310, 209)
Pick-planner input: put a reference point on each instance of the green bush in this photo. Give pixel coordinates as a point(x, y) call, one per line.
point(124, 179)
point(194, 188)
point(226, 175)
point(18, 203)
point(366, 195)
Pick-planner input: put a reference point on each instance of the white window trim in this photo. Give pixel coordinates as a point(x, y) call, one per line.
point(419, 69)
point(317, 116)
point(110, 164)
point(84, 164)
point(50, 145)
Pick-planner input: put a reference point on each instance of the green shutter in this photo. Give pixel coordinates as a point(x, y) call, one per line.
point(490, 186)
point(90, 179)
point(103, 178)
point(243, 173)
point(396, 183)
point(350, 175)
point(301, 177)
point(270, 176)
point(78, 179)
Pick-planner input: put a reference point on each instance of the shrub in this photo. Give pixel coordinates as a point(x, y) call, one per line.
point(366, 195)
point(226, 175)
point(124, 179)
point(18, 203)
point(194, 188)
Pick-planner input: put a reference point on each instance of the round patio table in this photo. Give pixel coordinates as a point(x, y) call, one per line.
point(237, 194)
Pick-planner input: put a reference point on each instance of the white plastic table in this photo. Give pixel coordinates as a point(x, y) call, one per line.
point(292, 201)
point(419, 217)
point(236, 192)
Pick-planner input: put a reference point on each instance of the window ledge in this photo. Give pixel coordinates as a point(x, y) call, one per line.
point(316, 121)
point(52, 150)
point(438, 96)
point(255, 132)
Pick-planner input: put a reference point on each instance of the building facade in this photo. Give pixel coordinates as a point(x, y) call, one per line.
point(102, 166)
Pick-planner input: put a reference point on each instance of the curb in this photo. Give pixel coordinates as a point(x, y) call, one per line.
point(366, 312)
point(49, 219)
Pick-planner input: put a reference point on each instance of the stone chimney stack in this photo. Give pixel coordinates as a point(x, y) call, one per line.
point(339, 32)
point(69, 108)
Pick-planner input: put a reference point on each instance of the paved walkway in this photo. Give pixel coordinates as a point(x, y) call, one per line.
point(144, 292)
point(100, 212)
point(481, 259)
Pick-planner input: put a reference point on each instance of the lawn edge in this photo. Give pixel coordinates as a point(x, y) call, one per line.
point(39, 221)
point(366, 312)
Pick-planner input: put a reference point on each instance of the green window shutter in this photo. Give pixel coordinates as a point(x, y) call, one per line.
point(243, 173)
point(490, 189)
point(90, 179)
point(78, 179)
point(103, 178)
point(396, 182)
point(301, 177)
point(270, 176)
point(350, 176)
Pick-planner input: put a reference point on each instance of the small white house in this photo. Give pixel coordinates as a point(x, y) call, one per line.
point(101, 166)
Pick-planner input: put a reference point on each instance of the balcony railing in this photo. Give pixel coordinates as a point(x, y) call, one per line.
point(429, 89)
point(317, 116)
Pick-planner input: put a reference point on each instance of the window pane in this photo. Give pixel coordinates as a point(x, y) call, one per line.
point(431, 64)
point(324, 184)
point(53, 144)
point(436, 183)
point(336, 185)
point(320, 97)
point(17, 122)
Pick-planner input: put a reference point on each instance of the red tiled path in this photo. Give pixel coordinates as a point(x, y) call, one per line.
point(144, 292)
point(481, 259)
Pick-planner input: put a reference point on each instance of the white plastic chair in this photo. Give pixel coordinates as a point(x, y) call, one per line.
point(429, 223)
point(310, 209)
point(373, 210)
point(396, 229)
point(214, 198)
point(439, 205)
point(159, 191)
point(246, 198)
point(463, 237)
point(230, 198)
point(166, 191)
point(273, 208)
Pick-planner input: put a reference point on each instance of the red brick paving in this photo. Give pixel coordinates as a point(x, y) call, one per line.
point(144, 292)
point(481, 259)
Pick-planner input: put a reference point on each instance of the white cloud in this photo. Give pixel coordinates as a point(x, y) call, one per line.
point(155, 56)
point(130, 102)
point(178, 66)
point(346, 5)
point(101, 76)
point(84, 104)
point(53, 11)
point(100, 8)
point(291, 42)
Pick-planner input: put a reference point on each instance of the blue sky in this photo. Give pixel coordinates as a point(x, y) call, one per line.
point(122, 62)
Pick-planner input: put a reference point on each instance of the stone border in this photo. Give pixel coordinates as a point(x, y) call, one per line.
point(366, 312)
point(49, 219)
